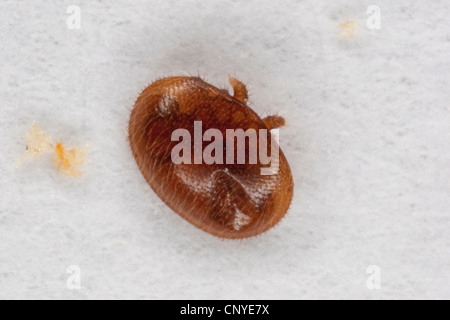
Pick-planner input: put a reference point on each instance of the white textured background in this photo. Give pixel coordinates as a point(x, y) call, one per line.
point(367, 138)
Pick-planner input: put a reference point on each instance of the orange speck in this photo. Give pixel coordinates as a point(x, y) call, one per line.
point(68, 161)
point(348, 29)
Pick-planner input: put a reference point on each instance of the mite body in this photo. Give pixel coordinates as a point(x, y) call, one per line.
point(228, 200)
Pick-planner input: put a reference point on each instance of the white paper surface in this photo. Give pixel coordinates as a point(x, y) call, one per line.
point(367, 139)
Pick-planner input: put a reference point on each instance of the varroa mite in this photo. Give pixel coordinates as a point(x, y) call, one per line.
point(227, 200)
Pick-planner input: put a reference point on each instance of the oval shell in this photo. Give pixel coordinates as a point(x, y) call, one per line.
point(226, 200)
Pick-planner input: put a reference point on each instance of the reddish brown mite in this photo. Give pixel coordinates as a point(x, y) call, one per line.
point(226, 200)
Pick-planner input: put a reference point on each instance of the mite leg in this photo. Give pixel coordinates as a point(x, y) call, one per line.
point(273, 122)
point(239, 89)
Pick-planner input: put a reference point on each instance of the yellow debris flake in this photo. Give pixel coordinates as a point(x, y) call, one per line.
point(38, 142)
point(348, 29)
point(68, 161)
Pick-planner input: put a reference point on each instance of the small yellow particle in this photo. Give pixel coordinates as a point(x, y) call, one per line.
point(38, 142)
point(68, 161)
point(348, 29)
